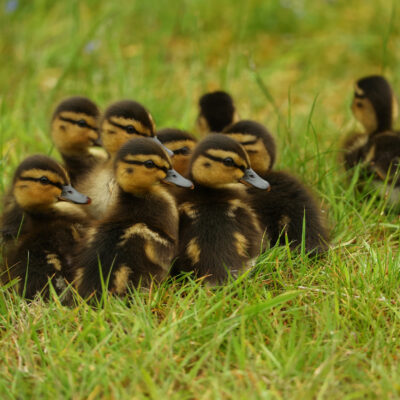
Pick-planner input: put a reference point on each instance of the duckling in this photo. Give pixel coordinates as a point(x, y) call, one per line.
point(39, 231)
point(136, 240)
point(284, 207)
point(74, 130)
point(181, 143)
point(121, 122)
point(217, 111)
point(375, 107)
point(219, 234)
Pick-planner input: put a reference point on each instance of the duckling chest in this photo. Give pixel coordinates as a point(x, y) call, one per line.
point(218, 227)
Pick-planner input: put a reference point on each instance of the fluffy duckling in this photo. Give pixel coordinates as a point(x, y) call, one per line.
point(217, 111)
point(283, 208)
point(219, 234)
point(74, 130)
point(375, 107)
point(122, 121)
point(137, 239)
point(40, 232)
point(181, 143)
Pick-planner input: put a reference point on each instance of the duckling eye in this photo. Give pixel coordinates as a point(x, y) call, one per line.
point(44, 181)
point(82, 123)
point(149, 164)
point(359, 104)
point(184, 150)
point(228, 162)
point(130, 129)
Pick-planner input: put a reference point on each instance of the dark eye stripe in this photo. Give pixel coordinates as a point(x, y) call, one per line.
point(125, 128)
point(73, 121)
point(134, 162)
point(221, 160)
point(185, 151)
point(249, 142)
point(28, 178)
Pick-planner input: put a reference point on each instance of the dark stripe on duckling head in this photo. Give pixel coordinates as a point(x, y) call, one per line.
point(79, 121)
point(43, 180)
point(130, 109)
point(228, 161)
point(221, 142)
point(377, 89)
point(141, 146)
point(218, 109)
point(256, 130)
point(41, 162)
point(78, 104)
point(168, 135)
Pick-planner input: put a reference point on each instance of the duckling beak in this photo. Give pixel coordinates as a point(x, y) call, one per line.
point(250, 178)
point(71, 194)
point(177, 179)
point(169, 152)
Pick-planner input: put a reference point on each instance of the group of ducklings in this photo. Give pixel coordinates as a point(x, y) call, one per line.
point(130, 226)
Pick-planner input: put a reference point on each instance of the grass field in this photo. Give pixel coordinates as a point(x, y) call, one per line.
point(293, 328)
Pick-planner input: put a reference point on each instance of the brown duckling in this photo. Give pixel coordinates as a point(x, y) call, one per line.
point(219, 234)
point(375, 107)
point(181, 143)
point(75, 133)
point(137, 239)
point(283, 208)
point(40, 232)
point(217, 111)
point(122, 121)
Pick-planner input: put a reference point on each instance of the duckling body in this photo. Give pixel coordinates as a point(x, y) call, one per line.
point(121, 122)
point(219, 234)
point(74, 130)
point(137, 239)
point(39, 232)
point(288, 204)
point(216, 111)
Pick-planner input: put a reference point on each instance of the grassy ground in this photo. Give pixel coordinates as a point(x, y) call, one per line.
point(294, 328)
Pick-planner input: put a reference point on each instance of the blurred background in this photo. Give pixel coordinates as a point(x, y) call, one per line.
point(289, 64)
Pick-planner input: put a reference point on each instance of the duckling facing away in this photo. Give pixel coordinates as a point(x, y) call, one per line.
point(122, 121)
point(40, 232)
point(137, 239)
point(284, 208)
point(217, 111)
point(74, 130)
point(181, 143)
point(375, 107)
point(219, 234)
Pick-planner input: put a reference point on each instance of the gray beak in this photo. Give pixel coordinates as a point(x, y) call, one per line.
point(177, 179)
point(71, 194)
point(157, 140)
point(251, 178)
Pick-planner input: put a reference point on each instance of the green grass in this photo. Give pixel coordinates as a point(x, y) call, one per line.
point(293, 328)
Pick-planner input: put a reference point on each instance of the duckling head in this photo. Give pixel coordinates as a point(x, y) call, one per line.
point(219, 161)
point(181, 143)
point(125, 120)
point(217, 111)
point(74, 126)
point(40, 182)
point(257, 141)
point(141, 164)
point(374, 104)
